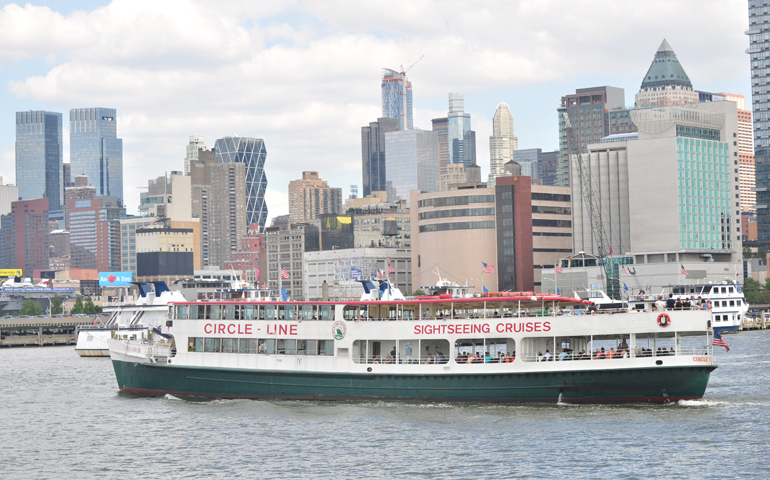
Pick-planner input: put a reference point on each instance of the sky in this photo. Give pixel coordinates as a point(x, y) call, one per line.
point(305, 76)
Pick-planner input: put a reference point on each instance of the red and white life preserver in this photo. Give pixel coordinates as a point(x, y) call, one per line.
point(664, 320)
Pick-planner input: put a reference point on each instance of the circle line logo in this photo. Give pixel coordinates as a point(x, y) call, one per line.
point(339, 330)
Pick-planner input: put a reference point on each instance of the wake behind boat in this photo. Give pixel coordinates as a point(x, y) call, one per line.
point(494, 349)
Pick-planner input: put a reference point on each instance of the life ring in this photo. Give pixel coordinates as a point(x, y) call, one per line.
point(664, 320)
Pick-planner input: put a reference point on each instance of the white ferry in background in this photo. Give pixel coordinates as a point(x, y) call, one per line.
point(728, 303)
point(132, 319)
point(513, 348)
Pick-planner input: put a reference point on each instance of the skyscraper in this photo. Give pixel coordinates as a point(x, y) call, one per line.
point(759, 53)
point(252, 153)
point(397, 98)
point(96, 150)
point(588, 110)
point(196, 142)
point(311, 197)
point(411, 157)
point(39, 156)
point(461, 139)
point(441, 127)
point(665, 83)
point(373, 153)
point(502, 143)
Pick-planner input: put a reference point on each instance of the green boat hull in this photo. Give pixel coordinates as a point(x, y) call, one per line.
point(655, 384)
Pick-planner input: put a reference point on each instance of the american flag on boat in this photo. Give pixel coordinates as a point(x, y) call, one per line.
point(559, 269)
point(488, 268)
point(284, 273)
point(720, 342)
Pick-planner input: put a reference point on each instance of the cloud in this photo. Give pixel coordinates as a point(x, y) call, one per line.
point(304, 76)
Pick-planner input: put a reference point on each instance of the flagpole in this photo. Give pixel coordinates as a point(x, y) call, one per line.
point(482, 278)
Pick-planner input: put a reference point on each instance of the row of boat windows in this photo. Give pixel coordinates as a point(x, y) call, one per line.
point(254, 312)
point(265, 346)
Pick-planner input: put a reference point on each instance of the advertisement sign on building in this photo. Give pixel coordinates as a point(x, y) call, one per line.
point(10, 272)
point(115, 279)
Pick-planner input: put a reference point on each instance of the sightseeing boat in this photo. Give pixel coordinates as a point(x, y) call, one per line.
point(133, 319)
point(515, 348)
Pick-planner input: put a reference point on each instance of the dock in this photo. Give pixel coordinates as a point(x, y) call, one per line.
point(754, 323)
point(41, 331)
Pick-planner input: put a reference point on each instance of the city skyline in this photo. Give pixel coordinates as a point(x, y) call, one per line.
point(313, 123)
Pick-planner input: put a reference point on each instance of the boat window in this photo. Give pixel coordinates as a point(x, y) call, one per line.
point(215, 312)
point(287, 347)
point(229, 312)
point(181, 312)
point(732, 303)
point(350, 312)
point(730, 289)
point(484, 350)
point(326, 347)
point(248, 312)
point(286, 312)
point(326, 312)
point(266, 346)
point(248, 345)
point(267, 312)
point(229, 345)
point(307, 312)
point(311, 347)
point(195, 344)
point(408, 313)
point(211, 345)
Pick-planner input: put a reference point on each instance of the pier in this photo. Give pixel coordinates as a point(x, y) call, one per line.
point(42, 331)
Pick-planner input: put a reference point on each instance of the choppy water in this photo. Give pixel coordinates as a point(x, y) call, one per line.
point(62, 417)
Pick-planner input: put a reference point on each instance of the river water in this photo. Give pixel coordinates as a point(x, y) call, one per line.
point(63, 417)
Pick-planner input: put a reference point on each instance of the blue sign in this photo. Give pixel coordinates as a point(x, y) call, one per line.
point(82, 203)
point(115, 279)
point(356, 274)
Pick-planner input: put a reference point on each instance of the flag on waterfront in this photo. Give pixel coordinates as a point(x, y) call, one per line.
point(484, 289)
point(96, 319)
point(380, 275)
point(559, 269)
point(625, 287)
point(719, 341)
point(284, 294)
point(284, 273)
point(623, 268)
point(610, 250)
point(488, 268)
point(684, 272)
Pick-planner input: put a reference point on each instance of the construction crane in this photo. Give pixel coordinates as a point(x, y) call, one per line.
point(403, 72)
point(591, 205)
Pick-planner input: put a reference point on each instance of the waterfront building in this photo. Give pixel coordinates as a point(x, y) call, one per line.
point(58, 243)
point(669, 194)
point(128, 228)
point(251, 259)
point(549, 166)
point(759, 55)
point(411, 158)
point(96, 151)
point(666, 82)
point(39, 156)
point(94, 227)
point(588, 113)
point(23, 236)
point(336, 231)
point(195, 143)
point(311, 197)
point(167, 196)
point(397, 98)
point(284, 251)
point(164, 253)
point(342, 269)
point(503, 143)
point(382, 225)
point(373, 154)
point(251, 152)
point(220, 202)
point(67, 176)
point(281, 222)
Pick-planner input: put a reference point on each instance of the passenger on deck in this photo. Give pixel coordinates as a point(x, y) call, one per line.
point(562, 355)
point(547, 356)
point(430, 359)
point(507, 358)
point(678, 304)
point(539, 356)
point(624, 354)
point(705, 305)
point(670, 303)
point(488, 358)
point(660, 305)
point(470, 358)
point(378, 359)
point(389, 359)
point(599, 354)
point(611, 354)
point(639, 351)
point(439, 358)
point(686, 303)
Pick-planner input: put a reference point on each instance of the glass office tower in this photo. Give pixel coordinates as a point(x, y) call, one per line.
point(39, 156)
point(96, 150)
point(461, 139)
point(252, 153)
point(759, 52)
point(397, 98)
